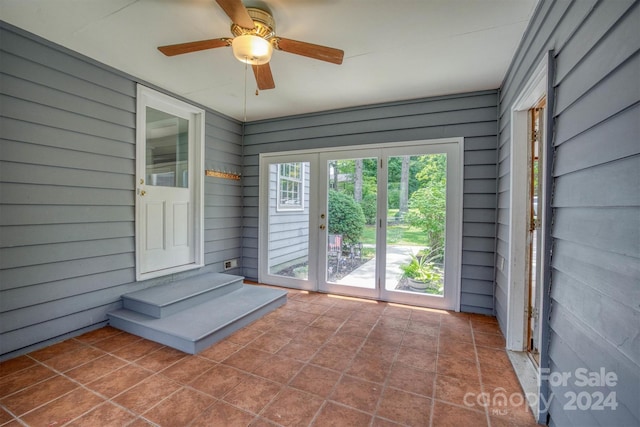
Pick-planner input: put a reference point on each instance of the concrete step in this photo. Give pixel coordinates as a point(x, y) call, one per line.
point(197, 327)
point(165, 300)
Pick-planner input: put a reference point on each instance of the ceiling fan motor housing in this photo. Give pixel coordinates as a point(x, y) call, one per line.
point(265, 25)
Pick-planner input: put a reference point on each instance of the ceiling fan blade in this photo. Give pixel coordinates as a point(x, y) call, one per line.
point(264, 78)
point(237, 12)
point(323, 53)
point(180, 48)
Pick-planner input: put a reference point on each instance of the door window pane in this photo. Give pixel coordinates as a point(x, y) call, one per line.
point(416, 219)
point(288, 239)
point(167, 149)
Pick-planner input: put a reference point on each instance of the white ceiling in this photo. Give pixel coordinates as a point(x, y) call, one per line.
point(394, 50)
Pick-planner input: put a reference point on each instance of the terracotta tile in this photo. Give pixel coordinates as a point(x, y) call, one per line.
point(292, 408)
point(316, 380)
point(445, 415)
point(333, 357)
point(456, 333)
point(423, 328)
point(453, 319)
point(147, 393)
point(16, 364)
point(397, 311)
point(410, 379)
point(98, 335)
point(56, 350)
point(220, 350)
point(247, 359)
point(299, 350)
point(95, 369)
point(357, 393)
point(264, 324)
point(137, 350)
point(117, 341)
point(24, 378)
point(365, 317)
point(486, 327)
point(417, 358)
point(498, 420)
point(455, 367)
point(489, 340)
point(369, 368)
point(180, 408)
point(405, 408)
point(493, 356)
point(455, 348)
point(327, 322)
point(499, 376)
point(185, 370)
point(119, 380)
point(253, 394)
point(393, 322)
point(462, 392)
point(141, 422)
point(345, 342)
point(219, 380)
point(388, 336)
point(380, 422)
point(64, 409)
point(278, 368)
point(308, 307)
point(298, 316)
point(419, 341)
point(426, 317)
point(332, 415)
point(74, 359)
point(379, 350)
point(338, 313)
point(38, 394)
point(355, 327)
point(104, 415)
point(223, 414)
point(313, 335)
point(161, 359)
point(5, 417)
point(244, 336)
point(270, 342)
point(289, 327)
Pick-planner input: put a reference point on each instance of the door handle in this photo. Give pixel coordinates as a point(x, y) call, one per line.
point(322, 227)
point(141, 192)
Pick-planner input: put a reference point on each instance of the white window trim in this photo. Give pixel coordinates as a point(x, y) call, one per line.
point(290, 208)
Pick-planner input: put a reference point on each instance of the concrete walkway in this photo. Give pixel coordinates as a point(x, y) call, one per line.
point(364, 276)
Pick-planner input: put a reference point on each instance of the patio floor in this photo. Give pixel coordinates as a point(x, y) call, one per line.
point(319, 360)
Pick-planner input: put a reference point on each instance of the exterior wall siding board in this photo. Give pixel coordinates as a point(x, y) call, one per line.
point(67, 201)
point(471, 116)
point(595, 229)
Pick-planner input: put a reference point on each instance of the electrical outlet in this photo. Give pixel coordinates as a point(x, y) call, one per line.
point(231, 263)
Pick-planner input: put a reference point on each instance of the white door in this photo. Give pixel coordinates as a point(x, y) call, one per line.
point(331, 221)
point(168, 221)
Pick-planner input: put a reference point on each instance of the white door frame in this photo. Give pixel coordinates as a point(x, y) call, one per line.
point(517, 320)
point(147, 97)
point(454, 201)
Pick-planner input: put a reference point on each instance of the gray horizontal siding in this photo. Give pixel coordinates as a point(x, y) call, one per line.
point(472, 116)
point(595, 299)
point(67, 167)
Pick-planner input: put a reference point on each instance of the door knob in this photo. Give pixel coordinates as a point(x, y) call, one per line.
point(322, 227)
point(142, 192)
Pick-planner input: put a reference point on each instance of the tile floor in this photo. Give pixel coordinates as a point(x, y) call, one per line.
point(319, 360)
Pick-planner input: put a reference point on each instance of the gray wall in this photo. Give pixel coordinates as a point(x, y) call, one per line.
point(595, 278)
point(471, 115)
point(67, 191)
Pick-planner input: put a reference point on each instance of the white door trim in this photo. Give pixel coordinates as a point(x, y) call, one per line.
point(533, 91)
point(196, 116)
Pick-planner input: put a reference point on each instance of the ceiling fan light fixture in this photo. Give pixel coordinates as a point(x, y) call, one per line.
point(252, 49)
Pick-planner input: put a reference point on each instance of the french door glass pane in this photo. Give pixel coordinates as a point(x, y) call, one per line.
point(288, 223)
point(351, 217)
point(415, 241)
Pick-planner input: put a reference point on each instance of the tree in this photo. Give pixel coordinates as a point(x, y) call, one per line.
point(345, 217)
point(357, 181)
point(404, 185)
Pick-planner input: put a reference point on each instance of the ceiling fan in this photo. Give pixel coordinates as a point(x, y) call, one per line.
point(253, 42)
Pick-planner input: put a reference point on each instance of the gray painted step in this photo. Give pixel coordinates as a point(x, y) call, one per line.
point(165, 300)
point(196, 328)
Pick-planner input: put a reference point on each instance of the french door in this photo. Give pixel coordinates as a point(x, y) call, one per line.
point(374, 222)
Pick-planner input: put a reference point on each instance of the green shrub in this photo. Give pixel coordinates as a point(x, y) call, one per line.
point(345, 217)
point(369, 206)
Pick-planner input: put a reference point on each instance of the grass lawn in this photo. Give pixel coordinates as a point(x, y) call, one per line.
point(401, 234)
